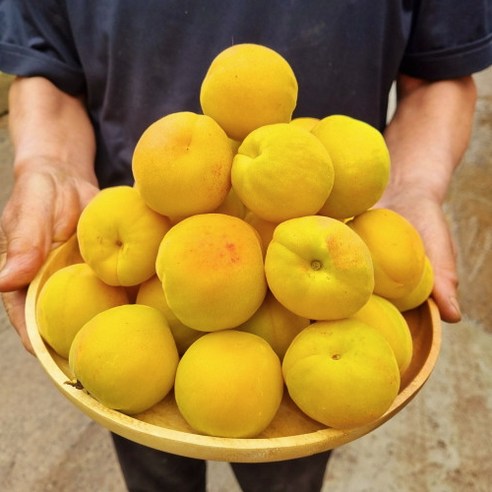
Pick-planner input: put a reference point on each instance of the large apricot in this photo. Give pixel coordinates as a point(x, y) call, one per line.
point(119, 236)
point(361, 161)
point(420, 293)
point(229, 384)
point(69, 298)
point(181, 164)
point(211, 268)
point(318, 268)
point(381, 314)
point(282, 171)
point(247, 86)
point(125, 357)
point(342, 373)
point(397, 251)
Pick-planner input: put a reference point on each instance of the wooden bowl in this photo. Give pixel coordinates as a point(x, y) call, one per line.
point(290, 435)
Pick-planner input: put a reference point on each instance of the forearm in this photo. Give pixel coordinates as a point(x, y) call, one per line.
point(54, 148)
point(427, 138)
point(47, 126)
point(429, 133)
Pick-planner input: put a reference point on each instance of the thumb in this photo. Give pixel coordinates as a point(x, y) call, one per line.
point(26, 229)
point(21, 262)
point(441, 253)
point(24, 246)
point(18, 270)
point(445, 285)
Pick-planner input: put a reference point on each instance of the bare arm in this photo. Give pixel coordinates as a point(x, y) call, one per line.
point(54, 149)
point(427, 138)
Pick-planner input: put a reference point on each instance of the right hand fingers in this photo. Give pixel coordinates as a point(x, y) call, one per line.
point(26, 237)
point(42, 211)
point(14, 301)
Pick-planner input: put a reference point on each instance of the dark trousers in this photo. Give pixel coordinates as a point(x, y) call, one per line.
point(148, 470)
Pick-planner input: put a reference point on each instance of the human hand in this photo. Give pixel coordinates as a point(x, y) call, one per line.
point(426, 214)
point(41, 213)
point(427, 137)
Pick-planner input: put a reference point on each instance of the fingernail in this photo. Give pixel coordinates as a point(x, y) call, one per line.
point(456, 307)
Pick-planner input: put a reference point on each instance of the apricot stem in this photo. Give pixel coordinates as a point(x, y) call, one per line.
point(316, 265)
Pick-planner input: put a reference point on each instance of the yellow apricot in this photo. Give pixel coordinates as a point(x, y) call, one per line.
point(306, 122)
point(341, 373)
point(276, 324)
point(232, 205)
point(396, 248)
point(181, 164)
point(69, 298)
point(381, 314)
point(264, 228)
point(282, 171)
point(119, 235)
point(125, 357)
point(361, 161)
point(247, 86)
point(318, 268)
point(229, 384)
point(420, 293)
point(151, 293)
point(211, 268)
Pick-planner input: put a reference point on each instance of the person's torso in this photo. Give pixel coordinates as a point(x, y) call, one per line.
point(143, 60)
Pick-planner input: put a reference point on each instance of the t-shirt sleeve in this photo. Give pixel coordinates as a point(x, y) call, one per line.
point(35, 40)
point(449, 38)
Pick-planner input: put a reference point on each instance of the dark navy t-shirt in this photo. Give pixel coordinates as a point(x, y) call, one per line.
point(137, 61)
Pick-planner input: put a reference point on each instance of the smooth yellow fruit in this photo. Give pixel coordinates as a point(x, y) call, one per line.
point(341, 373)
point(361, 161)
point(282, 171)
point(151, 293)
point(276, 324)
point(306, 122)
point(182, 163)
point(234, 145)
point(119, 236)
point(229, 384)
point(396, 248)
point(318, 268)
point(248, 86)
point(211, 268)
point(381, 314)
point(125, 358)
point(420, 293)
point(264, 228)
point(232, 205)
point(69, 298)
